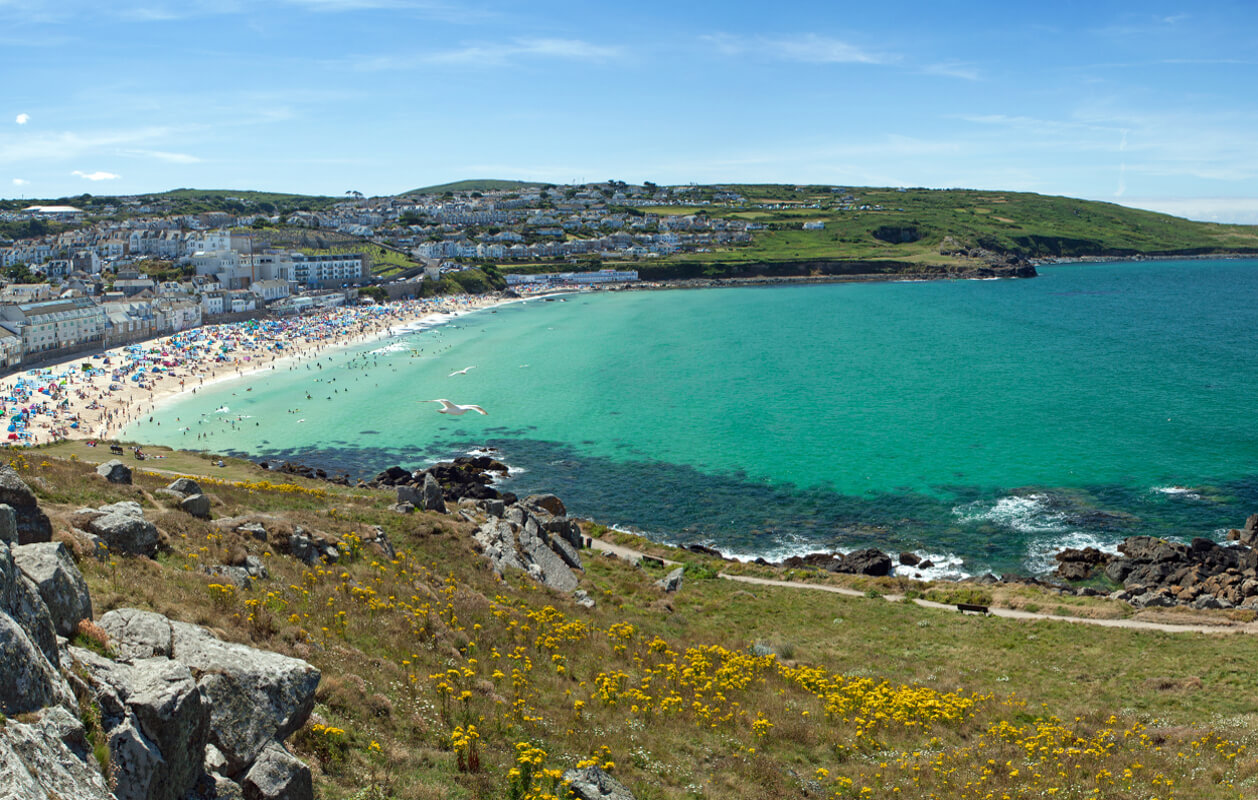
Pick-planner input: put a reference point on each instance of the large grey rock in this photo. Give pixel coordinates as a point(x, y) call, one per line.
point(407, 493)
point(497, 541)
point(8, 524)
point(433, 499)
point(166, 729)
point(28, 680)
point(544, 565)
point(277, 775)
point(32, 523)
point(548, 502)
point(255, 696)
point(566, 528)
point(302, 548)
point(672, 581)
point(184, 486)
point(594, 783)
point(137, 634)
point(198, 505)
point(564, 550)
point(49, 759)
point(30, 612)
point(124, 530)
point(528, 550)
point(115, 471)
point(60, 584)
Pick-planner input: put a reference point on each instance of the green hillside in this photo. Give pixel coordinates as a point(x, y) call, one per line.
point(442, 680)
point(481, 185)
point(193, 201)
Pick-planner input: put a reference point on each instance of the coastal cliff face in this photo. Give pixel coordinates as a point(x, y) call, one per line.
point(135, 706)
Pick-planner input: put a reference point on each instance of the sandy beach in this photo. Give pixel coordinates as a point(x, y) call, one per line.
point(96, 396)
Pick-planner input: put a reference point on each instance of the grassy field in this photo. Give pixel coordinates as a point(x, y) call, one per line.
point(479, 185)
point(441, 680)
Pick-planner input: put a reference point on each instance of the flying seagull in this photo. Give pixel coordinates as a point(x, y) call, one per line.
point(460, 372)
point(454, 408)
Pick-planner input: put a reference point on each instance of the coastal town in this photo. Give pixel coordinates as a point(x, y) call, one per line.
point(117, 270)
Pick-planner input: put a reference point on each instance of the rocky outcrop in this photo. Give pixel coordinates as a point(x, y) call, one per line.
point(49, 759)
point(255, 696)
point(1077, 565)
point(31, 522)
point(121, 527)
point(191, 498)
point(858, 562)
point(115, 471)
point(177, 700)
point(672, 581)
point(464, 477)
point(534, 541)
point(60, 584)
point(594, 783)
point(1159, 572)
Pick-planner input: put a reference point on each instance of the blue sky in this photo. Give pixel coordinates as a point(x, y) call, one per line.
point(1142, 103)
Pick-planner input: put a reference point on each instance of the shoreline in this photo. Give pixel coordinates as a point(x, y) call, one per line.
point(96, 396)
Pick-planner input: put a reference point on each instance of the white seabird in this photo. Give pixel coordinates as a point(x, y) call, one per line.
point(454, 408)
point(460, 371)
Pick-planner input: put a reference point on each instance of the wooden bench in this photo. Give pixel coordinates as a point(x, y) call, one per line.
point(975, 607)
point(652, 560)
point(115, 449)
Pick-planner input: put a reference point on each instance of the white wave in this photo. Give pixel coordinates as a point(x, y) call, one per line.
point(1178, 491)
point(1040, 550)
point(396, 347)
point(1023, 513)
point(944, 567)
point(222, 410)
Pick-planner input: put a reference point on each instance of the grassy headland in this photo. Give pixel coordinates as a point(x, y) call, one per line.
point(441, 680)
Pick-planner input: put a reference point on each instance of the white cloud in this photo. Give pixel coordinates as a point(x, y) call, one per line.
point(20, 182)
point(22, 119)
point(162, 155)
point(1238, 210)
point(96, 176)
point(952, 69)
point(68, 146)
point(496, 54)
point(808, 48)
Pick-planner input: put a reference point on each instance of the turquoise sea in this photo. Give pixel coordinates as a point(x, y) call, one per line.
point(984, 423)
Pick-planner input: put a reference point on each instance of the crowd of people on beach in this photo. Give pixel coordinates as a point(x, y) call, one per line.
point(97, 396)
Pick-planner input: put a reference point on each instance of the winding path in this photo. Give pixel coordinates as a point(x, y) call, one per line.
point(631, 555)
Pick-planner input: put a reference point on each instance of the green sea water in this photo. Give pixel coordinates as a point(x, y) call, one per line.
point(983, 423)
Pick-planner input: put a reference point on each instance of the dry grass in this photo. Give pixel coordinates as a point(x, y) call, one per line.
point(387, 635)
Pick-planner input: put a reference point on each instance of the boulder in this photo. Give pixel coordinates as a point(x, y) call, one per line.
point(548, 502)
point(28, 681)
point(50, 758)
point(910, 559)
point(1248, 535)
point(867, 562)
point(411, 494)
point(302, 548)
point(564, 549)
point(137, 634)
point(123, 529)
point(115, 472)
point(156, 721)
point(544, 565)
point(594, 783)
point(8, 524)
point(198, 505)
point(583, 599)
point(255, 696)
point(32, 523)
point(672, 581)
point(277, 775)
point(184, 486)
point(32, 614)
point(60, 584)
point(432, 498)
